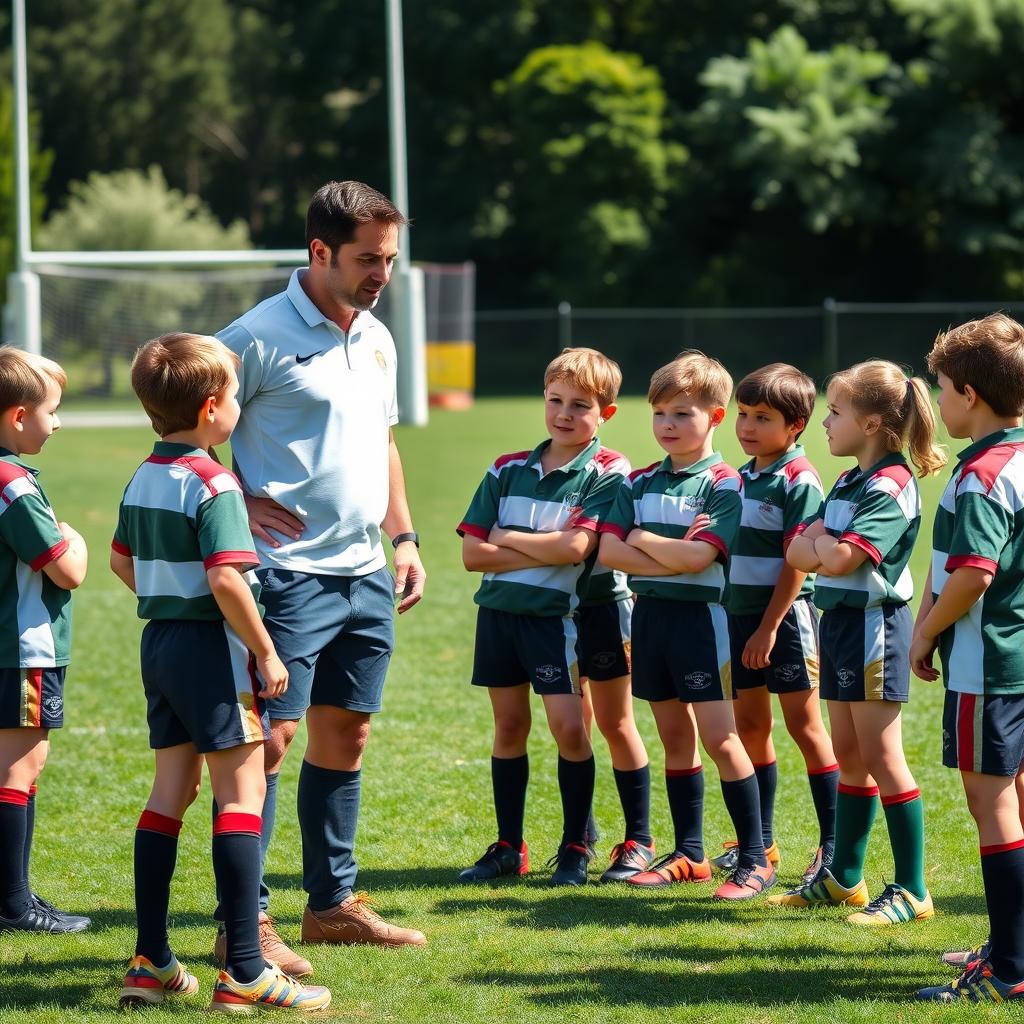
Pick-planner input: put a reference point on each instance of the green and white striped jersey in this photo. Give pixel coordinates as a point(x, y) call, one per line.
point(777, 502)
point(35, 614)
point(665, 502)
point(182, 513)
point(517, 494)
point(879, 511)
point(980, 522)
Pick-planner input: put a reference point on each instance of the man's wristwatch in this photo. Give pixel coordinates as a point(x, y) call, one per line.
point(401, 538)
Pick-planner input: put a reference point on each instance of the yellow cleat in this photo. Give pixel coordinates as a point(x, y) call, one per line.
point(896, 905)
point(823, 891)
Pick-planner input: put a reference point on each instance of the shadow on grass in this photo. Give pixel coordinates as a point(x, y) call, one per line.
point(962, 903)
point(378, 879)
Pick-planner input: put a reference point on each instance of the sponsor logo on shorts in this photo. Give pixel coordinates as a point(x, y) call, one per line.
point(788, 673)
point(603, 659)
point(54, 705)
point(548, 673)
point(698, 680)
point(847, 677)
point(945, 739)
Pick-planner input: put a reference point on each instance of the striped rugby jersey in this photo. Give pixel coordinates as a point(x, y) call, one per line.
point(182, 513)
point(879, 511)
point(777, 502)
point(604, 584)
point(665, 502)
point(35, 614)
point(517, 494)
point(980, 522)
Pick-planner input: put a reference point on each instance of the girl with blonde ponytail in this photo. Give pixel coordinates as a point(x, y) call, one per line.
point(859, 547)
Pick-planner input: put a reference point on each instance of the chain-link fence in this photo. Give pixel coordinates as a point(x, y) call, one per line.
point(513, 346)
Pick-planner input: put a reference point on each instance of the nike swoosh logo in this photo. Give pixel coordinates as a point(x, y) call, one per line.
point(305, 359)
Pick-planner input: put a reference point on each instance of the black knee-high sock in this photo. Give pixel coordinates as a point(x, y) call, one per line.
point(742, 801)
point(767, 782)
point(685, 788)
point(824, 783)
point(576, 786)
point(156, 851)
point(236, 865)
point(509, 777)
point(1002, 871)
point(14, 892)
point(30, 827)
point(634, 788)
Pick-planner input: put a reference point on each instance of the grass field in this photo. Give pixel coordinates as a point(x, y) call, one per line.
point(516, 952)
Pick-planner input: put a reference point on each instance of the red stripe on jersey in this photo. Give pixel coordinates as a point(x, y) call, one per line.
point(645, 471)
point(988, 851)
point(47, 557)
point(857, 541)
point(609, 461)
point(715, 541)
point(791, 470)
point(234, 821)
point(971, 562)
point(9, 473)
point(866, 791)
point(504, 460)
point(473, 530)
point(150, 821)
point(900, 475)
point(614, 529)
point(13, 796)
point(722, 471)
point(989, 463)
point(965, 731)
point(583, 523)
point(121, 549)
point(231, 558)
point(901, 798)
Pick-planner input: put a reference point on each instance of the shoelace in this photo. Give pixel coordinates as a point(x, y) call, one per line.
point(887, 895)
point(576, 848)
point(741, 874)
point(489, 853)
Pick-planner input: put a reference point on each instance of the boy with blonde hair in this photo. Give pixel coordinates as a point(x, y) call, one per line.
point(673, 528)
point(41, 562)
point(183, 546)
point(531, 529)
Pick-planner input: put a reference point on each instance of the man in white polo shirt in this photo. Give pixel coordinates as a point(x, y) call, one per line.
point(316, 456)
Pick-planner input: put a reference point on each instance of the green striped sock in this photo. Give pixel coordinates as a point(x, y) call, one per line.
point(856, 807)
point(904, 817)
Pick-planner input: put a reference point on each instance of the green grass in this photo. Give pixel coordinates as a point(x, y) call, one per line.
point(509, 953)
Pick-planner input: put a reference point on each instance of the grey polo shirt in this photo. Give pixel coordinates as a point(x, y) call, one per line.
point(317, 404)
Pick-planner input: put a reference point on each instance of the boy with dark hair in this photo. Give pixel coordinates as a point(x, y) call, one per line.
point(972, 612)
point(531, 529)
point(183, 546)
point(673, 528)
point(41, 562)
point(773, 625)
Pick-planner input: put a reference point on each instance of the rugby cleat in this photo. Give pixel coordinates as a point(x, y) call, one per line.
point(963, 957)
point(746, 882)
point(570, 864)
point(823, 891)
point(500, 859)
point(145, 984)
point(273, 989)
point(976, 985)
point(628, 859)
point(895, 905)
point(728, 860)
point(71, 922)
point(676, 867)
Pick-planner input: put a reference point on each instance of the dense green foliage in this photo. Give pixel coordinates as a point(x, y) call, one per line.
point(608, 152)
point(511, 953)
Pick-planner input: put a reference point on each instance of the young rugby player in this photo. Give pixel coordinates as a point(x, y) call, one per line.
point(860, 547)
point(773, 625)
point(531, 529)
point(972, 610)
point(673, 528)
point(183, 546)
point(41, 562)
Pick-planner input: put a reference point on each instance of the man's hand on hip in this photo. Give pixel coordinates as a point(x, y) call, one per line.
point(410, 576)
point(265, 514)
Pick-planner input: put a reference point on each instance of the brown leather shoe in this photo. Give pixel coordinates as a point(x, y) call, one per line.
point(353, 921)
point(273, 948)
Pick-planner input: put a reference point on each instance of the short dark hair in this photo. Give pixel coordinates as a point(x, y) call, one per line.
point(338, 208)
point(988, 354)
point(781, 387)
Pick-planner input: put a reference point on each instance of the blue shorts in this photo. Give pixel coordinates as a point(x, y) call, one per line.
point(515, 649)
point(865, 653)
point(794, 658)
point(605, 637)
point(680, 651)
point(335, 635)
point(200, 682)
point(983, 733)
point(32, 698)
